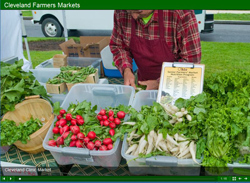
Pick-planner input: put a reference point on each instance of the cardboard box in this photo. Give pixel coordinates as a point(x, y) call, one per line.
point(59, 60)
point(56, 88)
point(90, 46)
point(64, 46)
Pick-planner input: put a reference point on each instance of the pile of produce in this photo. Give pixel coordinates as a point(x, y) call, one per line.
point(153, 132)
point(220, 120)
point(81, 127)
point(17, 84)
point(10, 132)
point(72, 74)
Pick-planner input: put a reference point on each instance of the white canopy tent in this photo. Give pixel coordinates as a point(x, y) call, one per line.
point(12, 30)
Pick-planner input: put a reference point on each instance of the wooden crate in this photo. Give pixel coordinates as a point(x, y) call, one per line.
point(34, 107)
point(92, 78)
point(59, 60)
point(56, 88)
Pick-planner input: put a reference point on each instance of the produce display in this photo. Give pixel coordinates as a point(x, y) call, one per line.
point(67, 76)
point(17, 84)
point(81, 127)
point(153, 132)
point(212, 128)
point(10, 132)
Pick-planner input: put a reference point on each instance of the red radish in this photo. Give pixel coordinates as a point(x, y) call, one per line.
point(110, 146)
point(72, 143)
point(103, 148)
point(64, 136)
point(73, 122)
point(106, 123)
point(107, 141)
point(104, 117)
point(112, 132)
point(79, 143)
point(90, 145)
point(52, 143)
point(68, 117)
point(80, 122)
point(117, 121)
point(62, 122)
point(70, 127)
point(59, 141)
point(101, 123)
point(86, 139)
point(75, 129)
point(111, 113)
point(112, 125)
point(91, 135)
point(61, 130)
point(99, 117)
point(102, 112)
point(62, 112)
point(73, 137)
point(98, 143)
point(96, 148)
point(57, 123)
point(55, 130)
point(66, 128)
point(79, 117)
point(59, 117)
point(121, 114)
point(80, 135)
point(111, 118)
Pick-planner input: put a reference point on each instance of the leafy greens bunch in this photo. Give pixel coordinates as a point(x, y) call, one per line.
point(16, 84)
point(10, 133)
point(221, 120)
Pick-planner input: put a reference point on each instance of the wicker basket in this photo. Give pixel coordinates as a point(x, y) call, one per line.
point(35, 107)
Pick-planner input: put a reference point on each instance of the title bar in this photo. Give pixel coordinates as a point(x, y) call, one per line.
point(128, 4)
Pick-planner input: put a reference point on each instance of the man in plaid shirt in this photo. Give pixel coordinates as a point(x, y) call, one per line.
point(151, 37)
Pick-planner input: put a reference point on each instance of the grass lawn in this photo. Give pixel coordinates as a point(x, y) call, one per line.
point(219, 57)
point(231, 16)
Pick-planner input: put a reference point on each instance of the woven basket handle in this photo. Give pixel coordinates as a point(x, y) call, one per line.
point(32, 97)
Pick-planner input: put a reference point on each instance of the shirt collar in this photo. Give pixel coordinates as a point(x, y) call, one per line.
point(154, 18)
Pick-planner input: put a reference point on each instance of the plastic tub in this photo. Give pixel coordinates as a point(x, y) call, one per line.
point(73, 61)
point(102, 96)
point(234, 169)
point(157, 165)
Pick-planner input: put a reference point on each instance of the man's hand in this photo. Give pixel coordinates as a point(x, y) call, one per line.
point(129, 78)
point(151, 84)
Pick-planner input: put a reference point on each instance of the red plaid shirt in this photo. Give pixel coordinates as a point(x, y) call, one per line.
point(181, 33)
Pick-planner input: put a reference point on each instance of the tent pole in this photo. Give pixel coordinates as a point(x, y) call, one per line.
point(24, 35)
point(65, 25)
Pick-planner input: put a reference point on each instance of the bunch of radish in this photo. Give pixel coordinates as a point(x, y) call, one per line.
point(110, 119)
point(69, 127)
point(178, 115)
point(176, 145)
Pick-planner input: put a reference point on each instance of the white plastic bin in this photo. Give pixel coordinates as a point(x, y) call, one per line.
point(74, 61)
point(44, 74)
point(103, 96)
point(234, 169)
point(157, 165)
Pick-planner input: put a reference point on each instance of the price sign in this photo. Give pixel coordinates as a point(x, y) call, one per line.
point(180, 80)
